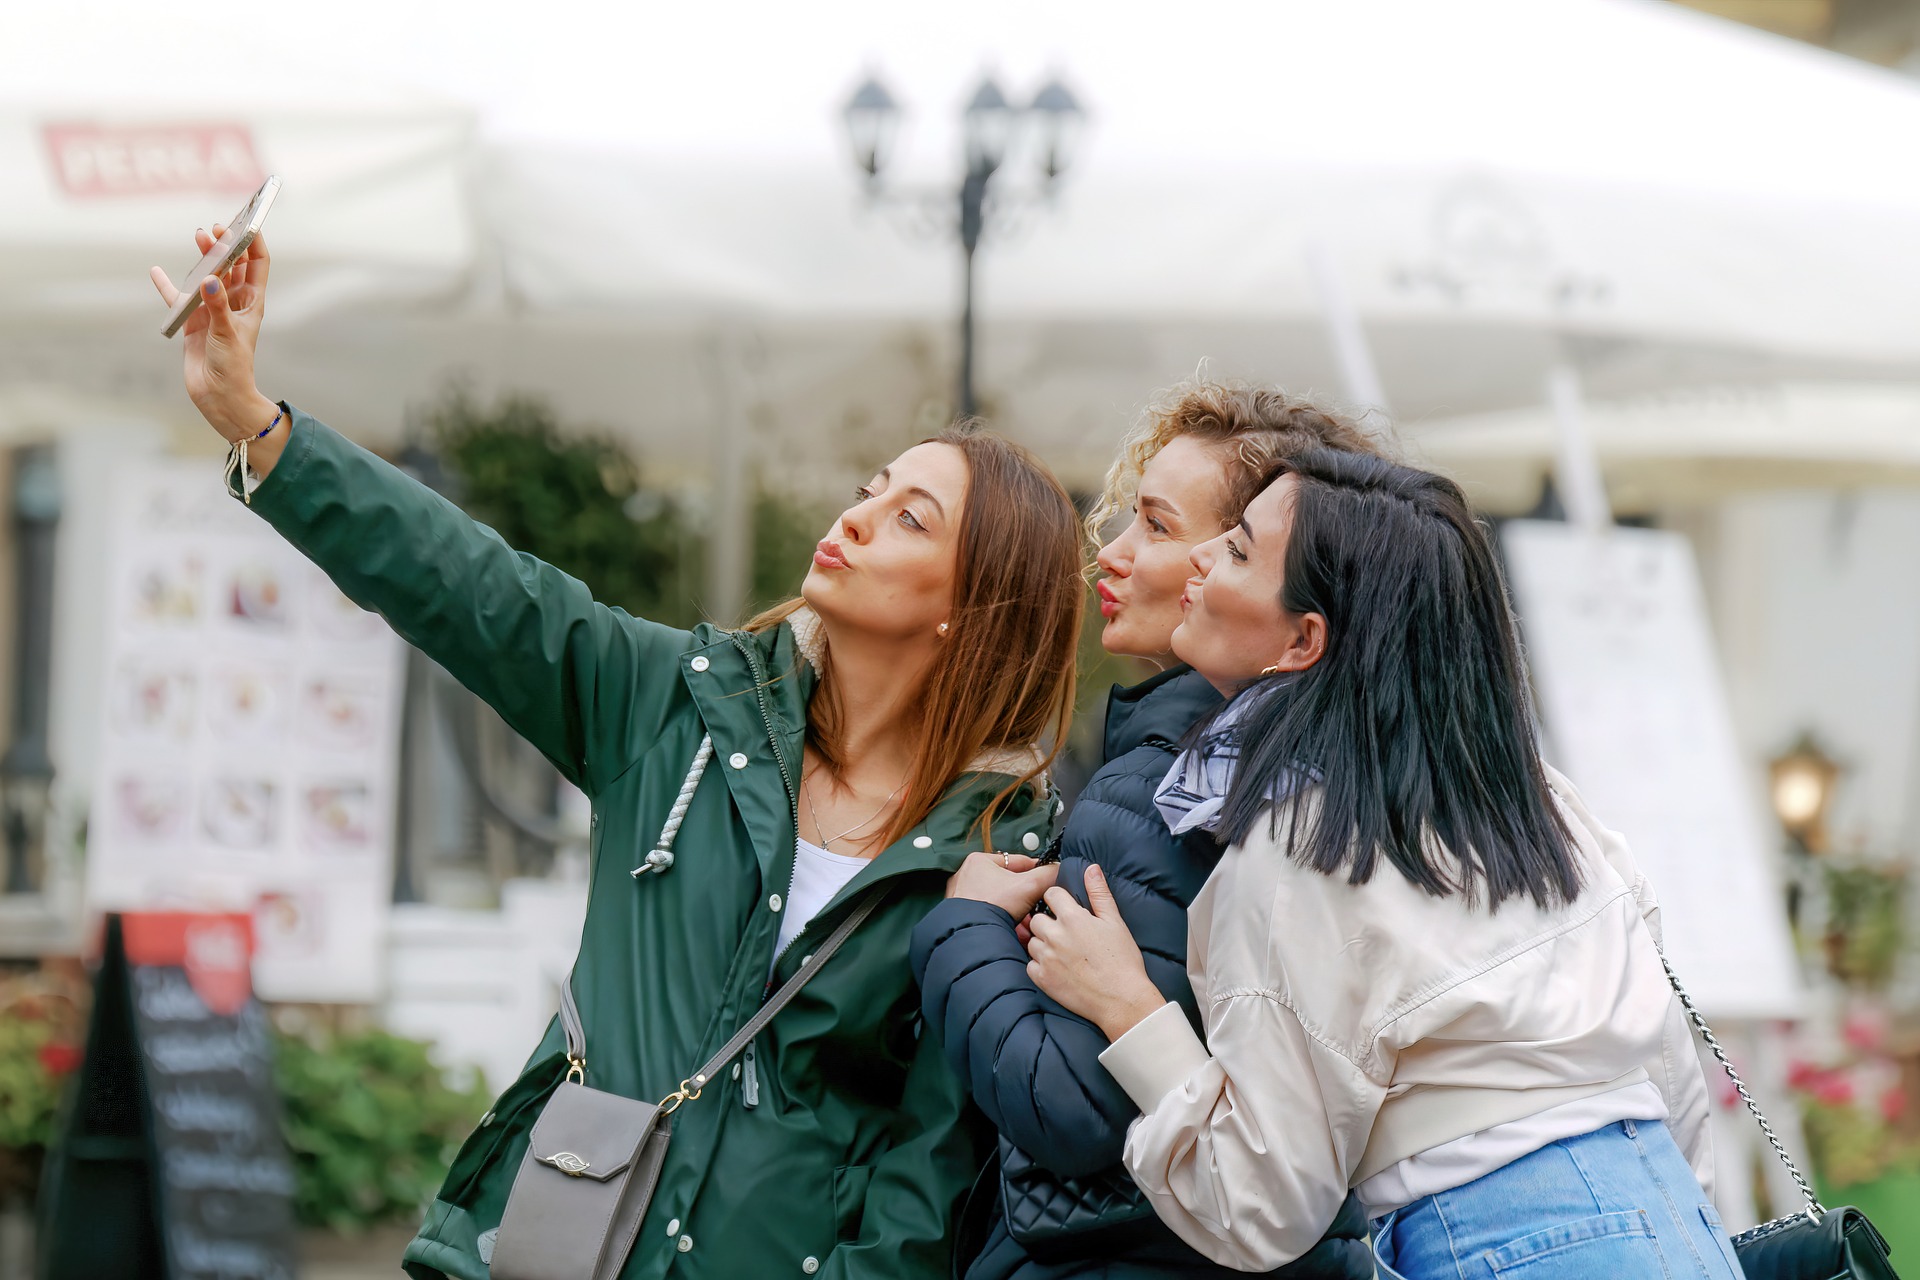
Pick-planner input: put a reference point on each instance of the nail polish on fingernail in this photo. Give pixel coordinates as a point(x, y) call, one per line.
point(211, 288)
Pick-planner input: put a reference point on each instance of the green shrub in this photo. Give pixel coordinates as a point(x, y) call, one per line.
point(373, 1124)
point(39, 1034)
point(571, 498)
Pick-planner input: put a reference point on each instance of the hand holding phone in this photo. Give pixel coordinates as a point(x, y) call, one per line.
point(219, 259)
point(219, 340)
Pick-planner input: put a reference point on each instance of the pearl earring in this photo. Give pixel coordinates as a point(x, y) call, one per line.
point(941, 629)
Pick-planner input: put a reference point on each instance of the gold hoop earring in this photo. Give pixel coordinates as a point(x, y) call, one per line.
point(941, 629)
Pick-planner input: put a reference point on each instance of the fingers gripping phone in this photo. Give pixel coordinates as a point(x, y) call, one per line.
point(226, 251)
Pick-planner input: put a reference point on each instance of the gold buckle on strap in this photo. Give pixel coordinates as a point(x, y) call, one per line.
point(688, 1091)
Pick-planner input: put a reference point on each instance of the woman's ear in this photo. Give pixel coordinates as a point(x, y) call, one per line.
point(1305, 642)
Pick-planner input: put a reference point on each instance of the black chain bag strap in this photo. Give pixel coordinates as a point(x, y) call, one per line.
point(1816, 1243)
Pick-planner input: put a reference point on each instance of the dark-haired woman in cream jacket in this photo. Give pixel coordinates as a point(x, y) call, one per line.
point(1427, 973)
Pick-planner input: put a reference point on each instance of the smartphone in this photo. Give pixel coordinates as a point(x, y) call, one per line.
point(227, 250)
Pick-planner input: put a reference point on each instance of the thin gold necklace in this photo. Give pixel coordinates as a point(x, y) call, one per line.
point(806, 789)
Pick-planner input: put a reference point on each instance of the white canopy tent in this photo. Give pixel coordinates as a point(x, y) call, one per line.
point(107, 170)
point(659, 228)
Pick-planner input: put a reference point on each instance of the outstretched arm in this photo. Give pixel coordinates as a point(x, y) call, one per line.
point(586, 684)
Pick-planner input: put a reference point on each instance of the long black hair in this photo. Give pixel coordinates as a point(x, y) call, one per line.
point(1416, 719)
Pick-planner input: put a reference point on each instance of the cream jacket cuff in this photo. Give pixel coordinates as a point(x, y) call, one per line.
point(1156, 1057)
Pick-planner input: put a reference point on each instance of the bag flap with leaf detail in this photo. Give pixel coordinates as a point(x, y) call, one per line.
point(587, 1133)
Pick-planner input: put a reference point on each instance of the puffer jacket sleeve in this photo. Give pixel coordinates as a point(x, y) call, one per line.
point(1033, 1067)
point(585, 684)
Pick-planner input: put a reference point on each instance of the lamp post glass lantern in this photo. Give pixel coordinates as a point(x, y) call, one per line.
point(989, 123)
point(990, 133)
point(1801, 785)
point(872, 119)
point(1057, 114)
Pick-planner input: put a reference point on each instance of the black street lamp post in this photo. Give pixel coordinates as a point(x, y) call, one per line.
point(990, 125)
point(26, 769)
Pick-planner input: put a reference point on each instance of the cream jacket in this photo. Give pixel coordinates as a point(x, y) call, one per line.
point(1352, 1026)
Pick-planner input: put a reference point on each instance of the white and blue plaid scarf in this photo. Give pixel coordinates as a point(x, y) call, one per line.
point(1194, 791)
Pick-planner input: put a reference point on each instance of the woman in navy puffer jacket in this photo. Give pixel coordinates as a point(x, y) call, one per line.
point(1032, 1066)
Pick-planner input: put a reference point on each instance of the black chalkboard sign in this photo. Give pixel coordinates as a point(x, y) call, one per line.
point(171, 1162)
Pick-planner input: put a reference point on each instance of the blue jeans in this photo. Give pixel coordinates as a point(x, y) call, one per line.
point(1620, 1203)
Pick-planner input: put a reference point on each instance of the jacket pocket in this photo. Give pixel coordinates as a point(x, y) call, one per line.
point(1605, 1244)
point(512, 1115)
point(850, 1199)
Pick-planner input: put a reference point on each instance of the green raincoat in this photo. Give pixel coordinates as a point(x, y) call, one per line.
point(841, 1145)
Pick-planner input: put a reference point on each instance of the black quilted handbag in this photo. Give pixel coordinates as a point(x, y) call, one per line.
point(1817, 1243)
point(1053, 1216)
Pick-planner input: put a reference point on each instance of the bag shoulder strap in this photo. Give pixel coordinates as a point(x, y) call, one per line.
point(1815, 1210)
point(690, 1087)
point(788, 990)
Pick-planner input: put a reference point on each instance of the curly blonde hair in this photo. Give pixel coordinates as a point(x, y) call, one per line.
point(1255, 426)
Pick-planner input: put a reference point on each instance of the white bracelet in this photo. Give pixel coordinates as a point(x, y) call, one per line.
point(237, 461)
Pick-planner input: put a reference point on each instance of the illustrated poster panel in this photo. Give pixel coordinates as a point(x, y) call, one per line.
point(250, 750)
point(1636, 716)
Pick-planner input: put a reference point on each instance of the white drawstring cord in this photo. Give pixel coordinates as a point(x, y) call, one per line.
point(662, 856)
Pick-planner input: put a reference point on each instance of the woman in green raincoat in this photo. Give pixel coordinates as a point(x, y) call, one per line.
point(871, 733)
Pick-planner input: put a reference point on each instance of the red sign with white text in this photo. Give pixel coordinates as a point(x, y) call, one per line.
point(216, 950)
point(93, 162)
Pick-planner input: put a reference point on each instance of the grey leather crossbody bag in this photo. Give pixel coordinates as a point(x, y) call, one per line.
point(594, 1158)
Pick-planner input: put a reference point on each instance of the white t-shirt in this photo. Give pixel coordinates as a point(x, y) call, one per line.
point(818, 874)
point(1456, 1163)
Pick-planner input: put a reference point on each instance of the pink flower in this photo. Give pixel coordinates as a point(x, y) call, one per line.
point(1865, 1030)
point(1893, 1104)
point(1834, 1089)
point(59, 1059)
point(1802, 1074)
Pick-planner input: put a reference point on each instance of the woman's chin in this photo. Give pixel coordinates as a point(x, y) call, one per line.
point(1180, 643)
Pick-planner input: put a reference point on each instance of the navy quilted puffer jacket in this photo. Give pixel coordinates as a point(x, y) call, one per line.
point(1033, 1067)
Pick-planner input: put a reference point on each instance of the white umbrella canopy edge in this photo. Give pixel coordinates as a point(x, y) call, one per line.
point(1669, 173)
point(1695, 445)
point(375, 197)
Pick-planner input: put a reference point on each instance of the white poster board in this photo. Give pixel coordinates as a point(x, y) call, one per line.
point(1635, 714)
point(249, 752)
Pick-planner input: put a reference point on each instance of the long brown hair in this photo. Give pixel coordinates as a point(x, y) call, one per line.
point(1003, 677)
